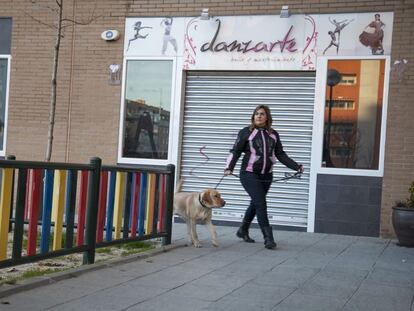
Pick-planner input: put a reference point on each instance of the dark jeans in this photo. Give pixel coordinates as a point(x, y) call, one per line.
point(257, 186)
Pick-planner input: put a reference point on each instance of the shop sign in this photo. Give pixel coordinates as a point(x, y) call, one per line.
point(259, 42)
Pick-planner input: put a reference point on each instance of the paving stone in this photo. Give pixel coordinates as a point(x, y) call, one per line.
point(287, 276)
point(272, 294)
point(203, 292)
point(365, 262)
point(389, 276)
point(348, 275)
point(222, 280)
point(235, 303)
point(324, 286)
point(245, 269)
point(297, 302)
point(310, 259)
point(170, 278)
point(114, 298)
point(170, 301)
point(380, 298)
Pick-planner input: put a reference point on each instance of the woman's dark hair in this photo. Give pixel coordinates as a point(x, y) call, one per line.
point(377, 15)
point(268, 115)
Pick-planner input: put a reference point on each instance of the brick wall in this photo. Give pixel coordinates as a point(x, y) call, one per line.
point(87, 114)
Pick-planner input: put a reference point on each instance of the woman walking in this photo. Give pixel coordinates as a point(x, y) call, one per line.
point(261, 146)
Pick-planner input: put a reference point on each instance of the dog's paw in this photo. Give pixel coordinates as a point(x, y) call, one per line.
point(197, 244)
point(215, 243)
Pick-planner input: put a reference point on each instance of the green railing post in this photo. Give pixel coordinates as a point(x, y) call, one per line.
point(11, 157)
point(92, 210)
point(169, 203)
point(19, 214)
point(71, 204)
point(127, 204)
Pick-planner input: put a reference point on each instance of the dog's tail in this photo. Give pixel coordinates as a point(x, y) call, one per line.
point(179, 185)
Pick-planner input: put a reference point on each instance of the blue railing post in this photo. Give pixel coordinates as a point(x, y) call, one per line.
point(92, 210)
point(47, 211)
point(169, 203)
point(110, 213)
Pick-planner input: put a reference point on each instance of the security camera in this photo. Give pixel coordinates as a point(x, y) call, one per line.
point(110, 35)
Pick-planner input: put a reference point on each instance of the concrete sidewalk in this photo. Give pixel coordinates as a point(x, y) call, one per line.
point(308, 271)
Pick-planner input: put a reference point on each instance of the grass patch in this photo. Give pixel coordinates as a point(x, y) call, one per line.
point(29, 274)
point(131, 252)
point(137, 245)
point(37, 272)
point(134, 247)
point(126, 248)
point(104, 250)
point(62, 263)
point(39, 237)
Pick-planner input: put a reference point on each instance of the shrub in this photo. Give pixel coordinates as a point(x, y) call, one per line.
point(409, 202)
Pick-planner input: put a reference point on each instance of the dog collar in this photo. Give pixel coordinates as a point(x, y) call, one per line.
point(201, 201)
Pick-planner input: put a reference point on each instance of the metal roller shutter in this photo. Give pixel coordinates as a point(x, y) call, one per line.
point(217, 106)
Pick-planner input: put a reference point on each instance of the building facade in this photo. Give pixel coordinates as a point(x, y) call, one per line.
point(176, 88)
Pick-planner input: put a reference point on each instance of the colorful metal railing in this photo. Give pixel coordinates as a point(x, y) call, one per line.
point(61, 208)
point(135, 203)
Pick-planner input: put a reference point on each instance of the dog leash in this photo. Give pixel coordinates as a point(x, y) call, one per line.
point(221, 179)
point(296, 175)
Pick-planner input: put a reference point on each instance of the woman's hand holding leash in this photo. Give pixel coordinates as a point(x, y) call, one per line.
point(227, 172)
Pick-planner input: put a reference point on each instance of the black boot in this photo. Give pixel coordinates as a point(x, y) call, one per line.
point(243, 232)
point(269, 242)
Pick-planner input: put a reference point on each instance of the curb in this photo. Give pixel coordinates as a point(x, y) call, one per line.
point(74, 272)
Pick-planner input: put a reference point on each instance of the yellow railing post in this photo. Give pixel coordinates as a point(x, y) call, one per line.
point(5, 201)
point(58, 207)
point(119, 195)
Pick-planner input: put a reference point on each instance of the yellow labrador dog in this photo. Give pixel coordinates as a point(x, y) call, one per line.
point(194, 206)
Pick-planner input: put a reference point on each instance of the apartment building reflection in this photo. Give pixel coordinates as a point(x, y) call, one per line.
point(356, 113)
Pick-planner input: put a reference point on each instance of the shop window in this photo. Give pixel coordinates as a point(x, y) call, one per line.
point(352, 127)
point(3, 99)
point(147, 107)
point(5, 48)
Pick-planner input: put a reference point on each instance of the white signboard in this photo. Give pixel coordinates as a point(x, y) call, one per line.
point(259, 42)
point(248, 42)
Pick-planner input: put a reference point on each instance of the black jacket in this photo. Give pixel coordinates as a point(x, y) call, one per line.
point(261, 148)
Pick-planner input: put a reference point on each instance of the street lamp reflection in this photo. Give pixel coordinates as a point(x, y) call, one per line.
point(333, 78)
